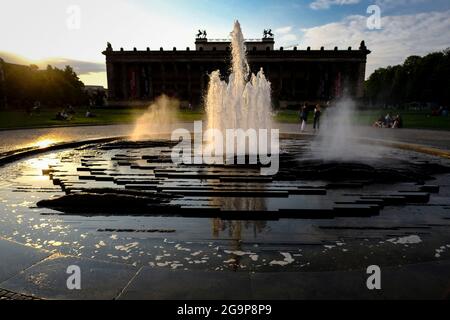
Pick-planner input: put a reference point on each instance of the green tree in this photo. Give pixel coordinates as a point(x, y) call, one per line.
point(418, 79)
point(53, 87)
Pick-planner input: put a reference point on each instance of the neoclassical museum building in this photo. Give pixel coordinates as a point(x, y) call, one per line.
point(297, 75)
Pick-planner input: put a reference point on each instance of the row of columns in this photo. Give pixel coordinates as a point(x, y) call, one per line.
point(124, 78)
point(127, 81)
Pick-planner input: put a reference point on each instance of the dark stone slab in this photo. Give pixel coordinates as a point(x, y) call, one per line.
point(87, 178)
point(175, 188)
point(141, 186)
point(104, 178)
point(121, 181)
point(48, 279)
point(57, 182)
point(99, 173)
point(355, 210)
point(417, 197)
point(90, 203)
point(401, 197)
point(138, 167)
point(17, 257)
point(229, 193)
point(319, 213)
point(344, 185)
point(430, 188)
point(377, 202)
point(387, 200)
point(372, 201)
point(338, 210)
point(418, 281)
point(160, 284)
point(308, 191)
point(125, 158)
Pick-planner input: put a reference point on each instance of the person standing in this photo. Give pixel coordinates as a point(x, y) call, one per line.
point(317, 115)
point(304, 117)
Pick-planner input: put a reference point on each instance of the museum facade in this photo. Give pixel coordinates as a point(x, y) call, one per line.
point(297, 76)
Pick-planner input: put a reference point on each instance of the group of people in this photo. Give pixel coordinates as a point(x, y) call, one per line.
point(389, 122)
point(440, 112)
point(65, 114)
point(304, 114)
point(68, 113)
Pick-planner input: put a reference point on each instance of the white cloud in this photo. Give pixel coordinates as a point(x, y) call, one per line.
point(287, 38)
point(283, 30)
point(326, 4)
point(400, 37)
point(389, 4)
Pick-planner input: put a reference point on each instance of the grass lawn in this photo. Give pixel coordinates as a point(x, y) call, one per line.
point(411, 119)
point(10, 119)
point(46, 118)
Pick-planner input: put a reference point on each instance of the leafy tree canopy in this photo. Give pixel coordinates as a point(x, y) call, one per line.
point(419, 79)
point(52, 87)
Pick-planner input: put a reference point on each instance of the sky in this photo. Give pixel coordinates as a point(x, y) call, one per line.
point(75, 32)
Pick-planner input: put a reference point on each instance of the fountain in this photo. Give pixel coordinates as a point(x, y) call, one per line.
point(240, 103)
point(339, 137)
point(124, 203)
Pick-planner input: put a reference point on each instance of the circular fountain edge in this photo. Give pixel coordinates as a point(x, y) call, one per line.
point(19, 154)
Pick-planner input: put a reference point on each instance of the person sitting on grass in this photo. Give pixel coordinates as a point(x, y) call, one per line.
point(63, 116)
point(70, 110)
point(398, 122)
point(379, 123)
point(89, 113)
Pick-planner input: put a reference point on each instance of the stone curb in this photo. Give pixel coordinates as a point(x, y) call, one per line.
point(387, 143)
point(20, 154)
point(411, 147)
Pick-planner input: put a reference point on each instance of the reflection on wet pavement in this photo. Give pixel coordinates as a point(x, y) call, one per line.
point(296, 224)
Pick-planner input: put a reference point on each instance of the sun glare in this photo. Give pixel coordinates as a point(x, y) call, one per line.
point(44, 143)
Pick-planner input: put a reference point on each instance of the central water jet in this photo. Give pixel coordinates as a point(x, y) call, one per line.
point(244, 102)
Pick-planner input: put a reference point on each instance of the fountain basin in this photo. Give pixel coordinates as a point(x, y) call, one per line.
point(100, 198)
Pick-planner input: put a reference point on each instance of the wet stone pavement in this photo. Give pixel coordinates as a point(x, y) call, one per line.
point(8, 295)
point(134, 220)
